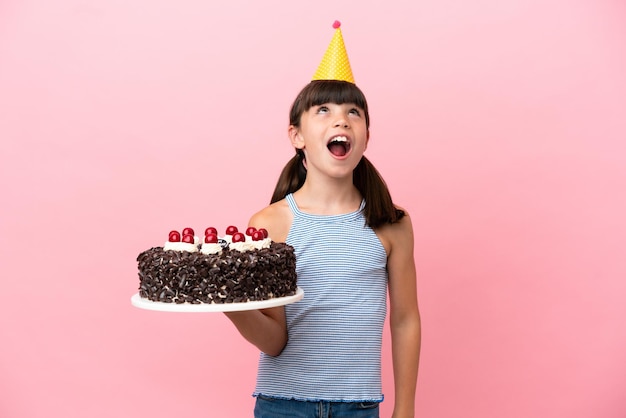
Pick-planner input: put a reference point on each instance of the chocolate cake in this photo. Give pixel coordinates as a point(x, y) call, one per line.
point(230, 276)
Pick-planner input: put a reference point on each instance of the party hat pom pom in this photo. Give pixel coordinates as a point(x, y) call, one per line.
point(336, 24)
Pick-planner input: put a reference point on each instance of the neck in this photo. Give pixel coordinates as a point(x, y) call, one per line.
point(331, 197)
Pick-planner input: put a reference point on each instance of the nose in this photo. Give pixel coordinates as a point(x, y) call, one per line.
point(341, 122)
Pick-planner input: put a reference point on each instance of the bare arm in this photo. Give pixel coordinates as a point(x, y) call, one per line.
point(404, 314)
point(266, 328)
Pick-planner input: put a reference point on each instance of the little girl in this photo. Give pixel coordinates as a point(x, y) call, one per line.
point(321, 356)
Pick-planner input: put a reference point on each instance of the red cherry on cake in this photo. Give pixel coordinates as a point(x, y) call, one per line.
point(188, 238)
point(231, 230)
point(210, 238)
point(239, 237)
point(188, 231)
point(210, 230)
point(258, 236)
point(174, 236)
point(251, 230)
point(264, 231)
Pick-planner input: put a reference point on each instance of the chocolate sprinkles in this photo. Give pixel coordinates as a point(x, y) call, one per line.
point(230, 277)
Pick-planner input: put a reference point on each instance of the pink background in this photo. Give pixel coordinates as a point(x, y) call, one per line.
point(499, 125)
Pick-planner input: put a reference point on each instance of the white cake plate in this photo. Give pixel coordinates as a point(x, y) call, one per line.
point(142, 303)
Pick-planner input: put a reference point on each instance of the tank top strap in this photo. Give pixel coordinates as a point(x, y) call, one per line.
point(292, 204)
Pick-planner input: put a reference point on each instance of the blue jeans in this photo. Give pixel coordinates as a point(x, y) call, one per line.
point(280, 408)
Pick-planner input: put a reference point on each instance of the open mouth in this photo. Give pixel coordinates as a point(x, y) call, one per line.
point(339, 146)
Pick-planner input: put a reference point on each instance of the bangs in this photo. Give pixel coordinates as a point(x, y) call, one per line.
point(327, 91)
point(338, 92)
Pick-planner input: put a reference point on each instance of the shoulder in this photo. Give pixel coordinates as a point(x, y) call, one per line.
point(276, 218)
point(398, 240)
point(397, 236)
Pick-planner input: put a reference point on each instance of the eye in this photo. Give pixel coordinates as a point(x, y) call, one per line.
point(322, 109)
point(355, 111)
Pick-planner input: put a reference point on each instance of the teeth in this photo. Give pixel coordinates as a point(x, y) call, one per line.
point(339, 139)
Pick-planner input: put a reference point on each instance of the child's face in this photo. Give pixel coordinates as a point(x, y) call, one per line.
point(333, 137)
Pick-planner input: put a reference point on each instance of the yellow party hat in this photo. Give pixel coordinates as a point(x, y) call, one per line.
point(335, 64)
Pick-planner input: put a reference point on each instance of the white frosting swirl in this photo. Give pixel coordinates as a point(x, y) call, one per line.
point(211, 248)
point(250, 245)
point(264, 243)
point(241, 246)
point(180, 246)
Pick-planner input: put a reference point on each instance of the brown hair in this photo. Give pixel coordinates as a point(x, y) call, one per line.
point(379, 208)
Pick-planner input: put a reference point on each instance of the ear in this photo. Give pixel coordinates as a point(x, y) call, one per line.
point(367, 139)
point(295, 137)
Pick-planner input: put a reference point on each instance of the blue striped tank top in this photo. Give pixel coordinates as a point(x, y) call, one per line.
point(335, 332)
